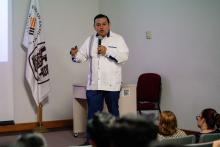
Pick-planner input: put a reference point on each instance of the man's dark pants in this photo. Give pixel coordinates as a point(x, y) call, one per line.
point(96, 98)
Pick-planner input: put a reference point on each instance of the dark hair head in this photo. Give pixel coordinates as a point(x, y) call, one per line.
point(31, 140)
point(99, 127)
point(101, 16)
point(130, 131)
point(209, 115)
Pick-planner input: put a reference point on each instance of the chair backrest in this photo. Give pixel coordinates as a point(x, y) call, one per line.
point(149, 87)
point(206, 144)
point(209, 137)
point(189, 139)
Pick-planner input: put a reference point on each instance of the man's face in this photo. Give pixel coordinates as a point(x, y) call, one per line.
point(102, 26)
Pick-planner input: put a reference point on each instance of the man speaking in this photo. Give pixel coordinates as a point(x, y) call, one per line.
point(105, 51)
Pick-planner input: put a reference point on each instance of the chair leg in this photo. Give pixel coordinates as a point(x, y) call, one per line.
point(140, 112)
point(159, 108)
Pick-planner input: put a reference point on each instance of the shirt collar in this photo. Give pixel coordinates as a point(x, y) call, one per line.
point(108, 34)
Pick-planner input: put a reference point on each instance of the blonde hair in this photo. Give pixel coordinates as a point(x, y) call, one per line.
point(167, 123)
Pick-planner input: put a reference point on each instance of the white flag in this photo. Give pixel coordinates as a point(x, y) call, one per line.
point(37, 73)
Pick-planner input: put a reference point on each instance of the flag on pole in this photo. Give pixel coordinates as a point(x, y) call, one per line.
point(37, 73)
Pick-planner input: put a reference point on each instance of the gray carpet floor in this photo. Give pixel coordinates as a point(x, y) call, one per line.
point(55, 138)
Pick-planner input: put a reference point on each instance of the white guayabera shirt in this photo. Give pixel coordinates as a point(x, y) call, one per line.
point(105, 71)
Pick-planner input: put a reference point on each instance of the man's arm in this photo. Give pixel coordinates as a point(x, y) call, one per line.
point(80, 55)
point(118, 53)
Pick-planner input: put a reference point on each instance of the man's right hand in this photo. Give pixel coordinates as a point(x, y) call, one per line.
point(73, 51)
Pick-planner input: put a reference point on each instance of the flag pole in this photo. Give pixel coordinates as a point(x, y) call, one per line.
point(40, 128)
point(39, 115)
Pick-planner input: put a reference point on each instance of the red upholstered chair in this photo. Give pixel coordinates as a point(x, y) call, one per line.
point(148, 92)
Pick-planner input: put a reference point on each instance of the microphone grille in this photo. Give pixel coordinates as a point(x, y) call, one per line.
point(100, 37)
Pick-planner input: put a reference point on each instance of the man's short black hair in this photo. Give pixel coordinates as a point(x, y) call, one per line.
point(31, 140)
point(130, 131)
point(99, 128)
point(101, 16)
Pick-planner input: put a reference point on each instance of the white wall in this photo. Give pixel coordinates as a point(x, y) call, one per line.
point(6, 77)
point(65, 23)
point(185, 50)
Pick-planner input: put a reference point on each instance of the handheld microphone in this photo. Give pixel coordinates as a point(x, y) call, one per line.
point(100, 40)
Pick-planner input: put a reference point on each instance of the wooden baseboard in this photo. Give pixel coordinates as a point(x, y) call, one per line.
point(31, 126)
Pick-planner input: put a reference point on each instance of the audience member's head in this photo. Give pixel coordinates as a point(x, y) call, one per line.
point(167, 123)
point(99, 127)
point(131, 131)
point(31, 140)
point(208, 120)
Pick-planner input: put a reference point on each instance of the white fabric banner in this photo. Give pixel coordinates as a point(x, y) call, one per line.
point(37, 72)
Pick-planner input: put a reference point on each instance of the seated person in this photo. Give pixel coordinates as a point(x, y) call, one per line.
point(98, 129)
point(168, 126)
point(31, 140)
point(132, 131)
point(207, 122)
